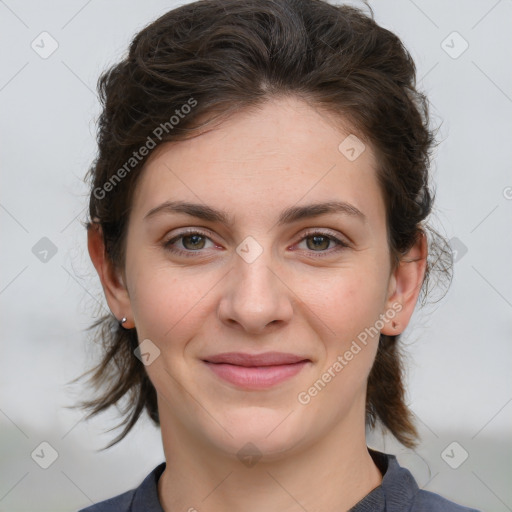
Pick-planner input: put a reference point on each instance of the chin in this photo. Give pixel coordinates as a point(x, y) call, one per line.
point(268, 434)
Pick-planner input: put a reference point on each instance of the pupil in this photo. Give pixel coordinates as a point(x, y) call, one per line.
point(316, 240)
point(194, 238)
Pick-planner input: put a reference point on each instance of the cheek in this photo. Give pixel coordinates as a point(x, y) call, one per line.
point(166, 301)
point(346, 302)
point(349, 306)
point(351, 313)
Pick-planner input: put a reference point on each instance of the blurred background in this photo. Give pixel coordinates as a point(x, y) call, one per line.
point(459, 349)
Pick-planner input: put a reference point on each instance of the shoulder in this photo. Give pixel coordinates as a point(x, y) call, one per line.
point(401, 492)
point(144, 498)
point(120, 503)
point(427, 501)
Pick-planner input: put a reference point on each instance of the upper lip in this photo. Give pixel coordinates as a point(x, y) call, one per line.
point(264, 359)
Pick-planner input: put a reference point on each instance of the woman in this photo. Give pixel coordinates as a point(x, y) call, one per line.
point(257, 220)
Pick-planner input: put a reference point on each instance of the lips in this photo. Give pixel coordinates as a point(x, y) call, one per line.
point(249, 360)
point(256, 371)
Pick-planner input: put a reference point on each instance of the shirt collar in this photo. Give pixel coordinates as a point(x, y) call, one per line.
point(395, 493)
point(146, 495)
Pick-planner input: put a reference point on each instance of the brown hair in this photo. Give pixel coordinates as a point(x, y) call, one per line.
point(221, 56)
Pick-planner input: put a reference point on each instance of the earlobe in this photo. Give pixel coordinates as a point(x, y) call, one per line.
point(114, 288)
point(405, 286)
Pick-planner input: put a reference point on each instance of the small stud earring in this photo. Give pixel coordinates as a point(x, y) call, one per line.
point(123, 320)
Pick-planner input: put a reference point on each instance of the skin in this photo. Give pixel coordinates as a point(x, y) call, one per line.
point(253, 166)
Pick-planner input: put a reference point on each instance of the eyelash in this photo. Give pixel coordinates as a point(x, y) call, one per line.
point(188, 253)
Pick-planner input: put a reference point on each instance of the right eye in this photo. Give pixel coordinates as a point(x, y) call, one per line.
point(194, 239)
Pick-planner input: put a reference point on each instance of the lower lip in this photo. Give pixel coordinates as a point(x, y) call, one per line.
point(256, 377)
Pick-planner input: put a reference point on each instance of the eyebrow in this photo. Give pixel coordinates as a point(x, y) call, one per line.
point(287, 216)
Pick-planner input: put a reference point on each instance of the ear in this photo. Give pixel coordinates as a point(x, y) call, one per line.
point(405, 286)
point(111, 279)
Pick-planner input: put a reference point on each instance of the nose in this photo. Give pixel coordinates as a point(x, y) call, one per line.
point(256, 297)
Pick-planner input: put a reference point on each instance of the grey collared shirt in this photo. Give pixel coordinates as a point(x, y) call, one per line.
point(398, 492)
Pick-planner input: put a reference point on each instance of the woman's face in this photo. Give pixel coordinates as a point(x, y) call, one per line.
point(267, 280)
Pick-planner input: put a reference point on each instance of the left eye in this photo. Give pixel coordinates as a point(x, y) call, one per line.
point(321, 241)
point(194, 241)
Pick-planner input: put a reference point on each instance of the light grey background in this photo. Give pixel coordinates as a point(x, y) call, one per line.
point(459, 350)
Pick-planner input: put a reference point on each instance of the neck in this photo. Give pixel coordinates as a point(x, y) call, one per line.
point(332, 474)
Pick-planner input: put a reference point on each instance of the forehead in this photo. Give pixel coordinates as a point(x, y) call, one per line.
point(264, 160)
